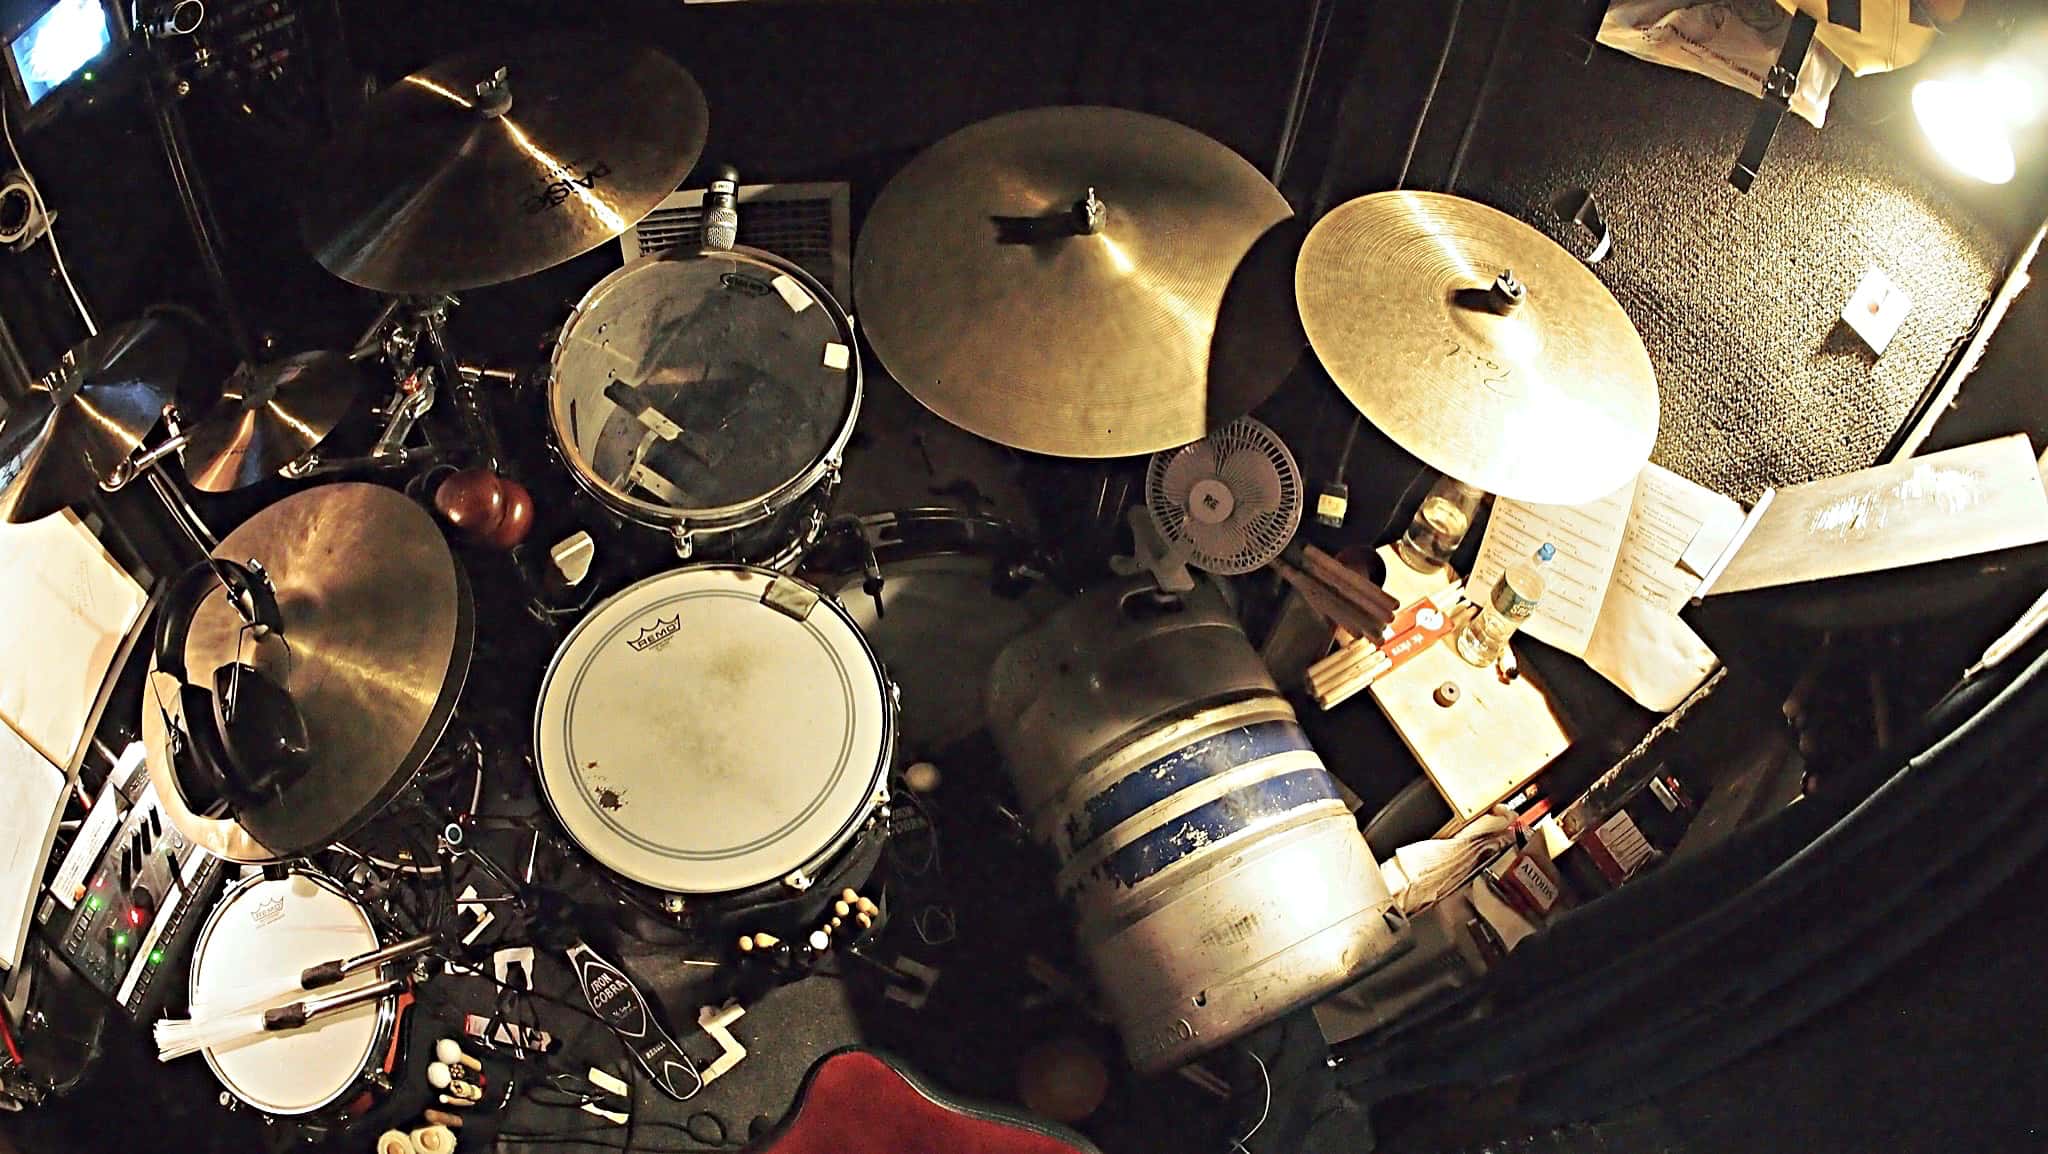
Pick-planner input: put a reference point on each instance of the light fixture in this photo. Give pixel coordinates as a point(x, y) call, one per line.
point(1971, 118)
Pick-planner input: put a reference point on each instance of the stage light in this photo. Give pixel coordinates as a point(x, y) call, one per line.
point(1971, 118)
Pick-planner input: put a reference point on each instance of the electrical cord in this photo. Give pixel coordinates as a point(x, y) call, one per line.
point(1264, 1111)
point(1436, 79)
point(49, 225)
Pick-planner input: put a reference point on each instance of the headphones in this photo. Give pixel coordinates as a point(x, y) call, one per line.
point(243, 740)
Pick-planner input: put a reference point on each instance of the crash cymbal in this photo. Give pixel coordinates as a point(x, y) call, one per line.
point(104, 397)
point(447, 183)
point(269, 416)
point(374, 650)
point(1549, 400)
point(986, 296)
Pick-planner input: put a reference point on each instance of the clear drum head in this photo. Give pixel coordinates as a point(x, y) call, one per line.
point(705, 388)
point(254, 944)
point(713, 729)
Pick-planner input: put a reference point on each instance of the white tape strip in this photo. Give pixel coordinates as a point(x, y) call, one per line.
point(664, 428)
point(837, 356)
point(793, 294)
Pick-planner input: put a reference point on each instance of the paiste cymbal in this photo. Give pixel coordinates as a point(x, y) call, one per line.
point(1551, 401)
point(437, 187)
point(378, 626)
point(103, 399)
point(269, 416)
point(983, 299)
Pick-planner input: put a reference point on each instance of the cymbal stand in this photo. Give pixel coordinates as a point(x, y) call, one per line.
point(430, 314)
point(413, 394)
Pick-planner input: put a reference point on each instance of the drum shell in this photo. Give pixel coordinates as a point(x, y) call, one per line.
point(771, 529)
point(1217, 878)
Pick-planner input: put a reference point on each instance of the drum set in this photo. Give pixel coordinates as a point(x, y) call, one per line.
point(716, 737)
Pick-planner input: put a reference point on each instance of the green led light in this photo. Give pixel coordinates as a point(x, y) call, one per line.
point(156, 957)
point(85, 75)
point(92, 904)
point(120, 941)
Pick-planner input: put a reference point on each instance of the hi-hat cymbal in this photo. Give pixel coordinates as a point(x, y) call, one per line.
point(443, 185)
point(375, 647)
point(985, 295)
point(104, 398)
point(1549, 400)
point(269, 416)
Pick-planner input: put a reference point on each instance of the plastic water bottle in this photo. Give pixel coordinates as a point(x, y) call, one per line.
point(1514, 598)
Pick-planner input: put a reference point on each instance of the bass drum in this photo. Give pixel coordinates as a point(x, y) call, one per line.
point(264, 932)
point(956, 588)
point(708, 397)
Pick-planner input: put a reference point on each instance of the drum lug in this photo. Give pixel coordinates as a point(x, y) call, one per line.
point(832, 472)
point(672, 904)
point(229, 1102)
point(379, 1081)
point(798, 881)
point(685, 541)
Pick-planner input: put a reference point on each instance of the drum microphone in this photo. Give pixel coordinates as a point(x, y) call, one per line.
point(721, 209)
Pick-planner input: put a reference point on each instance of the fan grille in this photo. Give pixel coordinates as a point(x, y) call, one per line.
point(1231, 501)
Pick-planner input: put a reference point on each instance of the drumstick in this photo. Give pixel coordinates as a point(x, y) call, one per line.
point(318, 976)
point(175, 1039)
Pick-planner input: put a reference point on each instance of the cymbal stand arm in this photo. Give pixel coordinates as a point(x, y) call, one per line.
point(182, 513)
point(462, 387)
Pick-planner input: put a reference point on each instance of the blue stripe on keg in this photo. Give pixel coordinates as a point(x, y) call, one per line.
point(1204, 826)
point(1189, 765)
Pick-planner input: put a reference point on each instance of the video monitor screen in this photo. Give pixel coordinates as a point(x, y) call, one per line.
point(59, 45)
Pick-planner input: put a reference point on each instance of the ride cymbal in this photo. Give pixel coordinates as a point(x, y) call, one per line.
point(103, 399)
point(269, 416)
point(374, 650)
point(1535, 387)
point(453, 178)
point(1084, 282)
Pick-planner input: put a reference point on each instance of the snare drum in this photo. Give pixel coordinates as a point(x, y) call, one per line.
point(709, 396)
point(718, 734)
point(258, 939)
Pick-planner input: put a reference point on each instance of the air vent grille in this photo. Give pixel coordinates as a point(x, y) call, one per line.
point(802, 223)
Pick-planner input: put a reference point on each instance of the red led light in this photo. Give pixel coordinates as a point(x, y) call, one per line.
point(134, 917)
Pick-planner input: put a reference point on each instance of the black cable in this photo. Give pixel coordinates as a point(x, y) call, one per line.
point(1500, 44)
point(1314, 36)
point(1443, 59)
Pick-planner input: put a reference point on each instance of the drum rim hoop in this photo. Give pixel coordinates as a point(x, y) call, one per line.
point(849, 828)
point(387, 1007)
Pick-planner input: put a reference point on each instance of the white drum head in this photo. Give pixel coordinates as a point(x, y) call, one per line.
point(259, 938)
point(696, 739)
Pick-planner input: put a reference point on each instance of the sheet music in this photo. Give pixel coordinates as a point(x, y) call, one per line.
point(1639, 643)
point(1588, 539)
point(1619, 578)
point(68, 605)
point(31, 802)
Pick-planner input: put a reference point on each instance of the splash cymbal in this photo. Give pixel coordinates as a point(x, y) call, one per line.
point(1084, 282)
point(1538, 390)
point(451, 180)
point(269, 416)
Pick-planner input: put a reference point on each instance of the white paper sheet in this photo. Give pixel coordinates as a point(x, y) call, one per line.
point(1639, 643)
point(1587, 538)
point(64, 608)
point(1619, 578)
point(31, 802)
